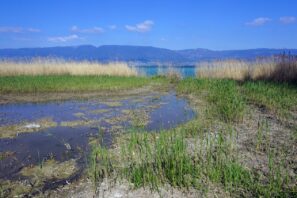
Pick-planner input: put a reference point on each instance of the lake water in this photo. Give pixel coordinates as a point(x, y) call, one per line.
point(184, 71)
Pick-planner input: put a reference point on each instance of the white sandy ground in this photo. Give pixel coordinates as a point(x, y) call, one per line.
point(85, 188)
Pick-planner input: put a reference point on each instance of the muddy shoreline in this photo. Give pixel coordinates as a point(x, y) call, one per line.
point(8, 98)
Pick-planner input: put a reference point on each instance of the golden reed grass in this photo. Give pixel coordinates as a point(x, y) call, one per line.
point(283, 70)
point(62, 67)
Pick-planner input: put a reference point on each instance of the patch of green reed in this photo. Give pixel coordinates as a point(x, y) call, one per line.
point(100, 161)
point(229, 98)
point(193, 86)
point(263, 140)
point(220, 165)
point(224, 96)
point(228, 102)
point(155, 159)
point(162, 159)
point(68, 83)
point(279, 98)
point(277, 182)
point(190, 156)
point(100, 164)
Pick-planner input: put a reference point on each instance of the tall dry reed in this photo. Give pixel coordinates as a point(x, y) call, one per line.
point(62, 67)
point(234, 69)
point(283, 69)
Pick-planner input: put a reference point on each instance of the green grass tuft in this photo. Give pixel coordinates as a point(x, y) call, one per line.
point(224, 96)
point(278, 98)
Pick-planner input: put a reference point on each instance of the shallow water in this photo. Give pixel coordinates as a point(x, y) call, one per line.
point(184, 71)
point(83, 120)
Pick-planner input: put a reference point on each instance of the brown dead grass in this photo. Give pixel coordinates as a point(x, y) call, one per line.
point(62, 67)
point(234, 69)
point(283, 69)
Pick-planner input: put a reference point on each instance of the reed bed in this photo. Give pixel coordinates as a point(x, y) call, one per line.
point(282, 69)
point(173, 75)
point(234, 69)
point(62, 67)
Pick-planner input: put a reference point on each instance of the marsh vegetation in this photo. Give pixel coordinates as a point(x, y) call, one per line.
point(240, 142)
point(281, 68)
point(50, 66)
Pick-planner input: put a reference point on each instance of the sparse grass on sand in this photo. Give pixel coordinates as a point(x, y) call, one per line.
point(188, 161)
point(278, 98)
point(221, 147)
point(229, 99)
point(224, 97)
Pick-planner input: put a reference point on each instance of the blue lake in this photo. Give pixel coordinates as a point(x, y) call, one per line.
point(184, 71)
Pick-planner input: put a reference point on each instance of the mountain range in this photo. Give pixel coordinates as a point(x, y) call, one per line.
point(141, 54)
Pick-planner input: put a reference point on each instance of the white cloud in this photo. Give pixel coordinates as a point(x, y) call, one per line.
point(63, 38)
point(22, 39)
point(112, 27)
point(11, 29)
point(88, 30)
point(33, 30)
point(74, 28)
point(141, 27)
point(259, 21)
point(18, 30)
point(287, 19)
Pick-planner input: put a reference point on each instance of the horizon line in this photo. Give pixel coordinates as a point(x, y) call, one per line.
point(61, 46)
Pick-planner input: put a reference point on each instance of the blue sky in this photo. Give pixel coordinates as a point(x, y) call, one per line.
point(173, 24)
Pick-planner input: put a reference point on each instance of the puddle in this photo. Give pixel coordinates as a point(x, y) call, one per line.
point(76, 122)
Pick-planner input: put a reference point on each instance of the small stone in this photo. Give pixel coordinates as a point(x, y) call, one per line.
point(67, 145)
point(32, 126)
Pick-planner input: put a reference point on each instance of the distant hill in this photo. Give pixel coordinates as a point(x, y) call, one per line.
point(205, 54)
point(141, 54)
